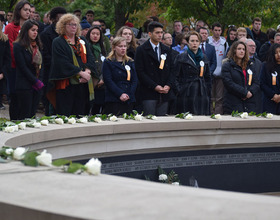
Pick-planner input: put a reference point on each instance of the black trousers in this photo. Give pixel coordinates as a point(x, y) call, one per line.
point(118, 108)
point(72, 100)
point(27, 103)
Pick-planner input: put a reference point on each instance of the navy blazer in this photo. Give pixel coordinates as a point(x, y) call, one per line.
point(149, 73)
point(211, 55)
point(115, 79)
point(25, 70)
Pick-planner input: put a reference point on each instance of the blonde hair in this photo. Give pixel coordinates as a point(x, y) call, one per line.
point(3, 37)
point(133, 39)
point(66, 19)
point(112, 54)
point(241, 29)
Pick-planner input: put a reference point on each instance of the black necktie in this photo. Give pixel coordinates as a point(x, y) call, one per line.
point(156, 52)
point(202, 48)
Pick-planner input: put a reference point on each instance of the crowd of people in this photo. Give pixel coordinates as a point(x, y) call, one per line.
point(73, 65)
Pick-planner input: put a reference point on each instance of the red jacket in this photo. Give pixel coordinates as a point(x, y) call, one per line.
point(12, 31)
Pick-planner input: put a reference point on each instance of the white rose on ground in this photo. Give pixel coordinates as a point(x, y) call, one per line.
point(93, 166)
point(72, 121)
point(97, 119)
point(269, 115)
point(176, 183)
point(9, 129)
point(189, 116)
point(138, 117)
point(162, 177)
point(218, 116)
point(9, 151)
point(45, 122)
point(83, 120)
point(59, 121)
point(22, 125)
point(44, 158)
point(113, 118)
point(244, 115)
point(36, 125)
point(154, 117)
point(18, 153)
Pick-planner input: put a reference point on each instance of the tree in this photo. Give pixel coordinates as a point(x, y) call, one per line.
point(237, 12)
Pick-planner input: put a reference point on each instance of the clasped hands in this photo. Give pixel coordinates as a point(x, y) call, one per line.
point(85, 76)
point(161, 89)
point(276, 98)
point(124, 97)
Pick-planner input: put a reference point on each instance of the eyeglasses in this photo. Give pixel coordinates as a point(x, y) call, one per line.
point(72, 25)
point(251, 45)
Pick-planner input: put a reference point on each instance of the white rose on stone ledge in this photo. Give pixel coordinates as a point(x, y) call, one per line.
point(218, 116)
point(59, 121)
point(162, 177)
point(9, 151)
point(9, 129)
point(244, 115)
point(189, 117)
point(18, 153)
point(269, 115)
point(22, 125)
point(72, 121)
point(176, 183)
point(44, 158)
point(113, 118)
point(36, 125)
point(154, 117)
point(83, 120)
point(93, 166)
point(45, 122)
point(97, 119)
point(138, 117)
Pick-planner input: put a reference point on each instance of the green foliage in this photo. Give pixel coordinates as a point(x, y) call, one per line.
point(74, 167)
point(60, 162)
point(30, 159)
point(182, 115)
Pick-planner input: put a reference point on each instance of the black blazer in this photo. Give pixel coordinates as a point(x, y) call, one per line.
point(25, 70)
point(149, 73)
point(211, 55)
point(5, 56)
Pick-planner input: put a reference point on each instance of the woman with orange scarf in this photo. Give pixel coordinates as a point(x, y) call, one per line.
point(28, 61)
point(72, 69)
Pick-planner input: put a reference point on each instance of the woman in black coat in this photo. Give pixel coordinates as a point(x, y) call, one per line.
point(240, 82)
point(120, 79)
point(28, 61)
point(193, 80)
point(270, 81)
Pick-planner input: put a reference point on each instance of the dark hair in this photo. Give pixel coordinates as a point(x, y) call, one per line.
point(23, 37)
point(90, 12)
point(270, 59)
point(186, 26)
point(179, 37)
point(202, 28)
point(216, 24)
point(163, 35)
point(100, 42)
point(145, 25)
point(16, 13)
point(102, 21)
point(257, 19)
point(154, 18)
point(271, 33)
point(2, 18)
point(55, 11)
point(77, 10)
point(154, 24)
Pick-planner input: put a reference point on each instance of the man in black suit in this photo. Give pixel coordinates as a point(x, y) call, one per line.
point(208, 49)
point(153, 62)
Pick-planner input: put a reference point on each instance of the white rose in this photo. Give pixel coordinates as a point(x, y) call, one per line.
point(113, 118)
point(83, 120)
point(218, 116)
point(16, 127)
point(44, 122)
point(176, 183)
point(269, 115)
point(97, 119)
point(244, 115)
point(154, 117)
point(18, 153)
point(72, 121)
point(59, 121)
point(189, 116)
point(9, 129)
point(44, 158)
point(9, 151)
point(162, 177)
point(36, 125)
point(93, 166)
point(138, 117)
point(22, 125)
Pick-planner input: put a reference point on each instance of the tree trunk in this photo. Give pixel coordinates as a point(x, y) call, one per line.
point(120, 16)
